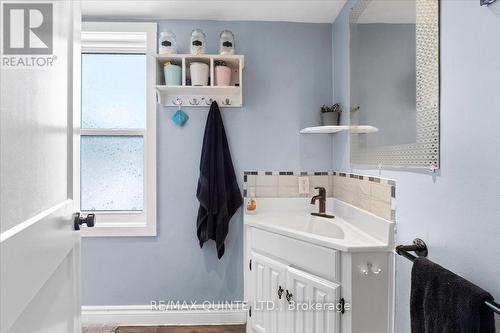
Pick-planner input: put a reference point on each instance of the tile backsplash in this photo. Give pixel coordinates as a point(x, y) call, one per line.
point(373, 194)
point(285, 184)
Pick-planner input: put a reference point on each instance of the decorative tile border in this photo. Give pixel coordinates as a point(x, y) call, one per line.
point(285, 184)
point(373, 194)
point(289, 173)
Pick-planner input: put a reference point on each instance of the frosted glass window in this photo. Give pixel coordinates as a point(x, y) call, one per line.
point(113, 91)
point(112, 172)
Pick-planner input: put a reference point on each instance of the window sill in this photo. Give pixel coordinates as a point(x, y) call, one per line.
point(119, 230)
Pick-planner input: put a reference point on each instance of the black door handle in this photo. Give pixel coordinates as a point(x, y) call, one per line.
point(79, 220)
point(280, 292)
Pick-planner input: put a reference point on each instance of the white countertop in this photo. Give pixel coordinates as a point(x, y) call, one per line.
point(352, 229)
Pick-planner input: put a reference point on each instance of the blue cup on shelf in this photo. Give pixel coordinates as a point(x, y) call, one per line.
point(173, 74)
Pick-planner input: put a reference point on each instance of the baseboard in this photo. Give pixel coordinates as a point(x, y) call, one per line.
point(145, 315)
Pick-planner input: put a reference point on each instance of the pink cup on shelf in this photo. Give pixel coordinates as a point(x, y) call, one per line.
point(222, 75)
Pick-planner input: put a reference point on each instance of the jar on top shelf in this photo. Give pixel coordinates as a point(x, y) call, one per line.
point(198, 41)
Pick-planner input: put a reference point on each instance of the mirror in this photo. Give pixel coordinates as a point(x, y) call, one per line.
point(394, 82)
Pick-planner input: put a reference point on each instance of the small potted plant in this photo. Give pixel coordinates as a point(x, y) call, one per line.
point(330, 115)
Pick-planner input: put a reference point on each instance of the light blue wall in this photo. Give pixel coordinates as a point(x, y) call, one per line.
point(288, 75)
point(457, 212)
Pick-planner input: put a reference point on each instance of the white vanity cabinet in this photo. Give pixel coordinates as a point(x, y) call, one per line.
point(275, 286)
point(281, 269)
point(311, 290)
point(269, 281)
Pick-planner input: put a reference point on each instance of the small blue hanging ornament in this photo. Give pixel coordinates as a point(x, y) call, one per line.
point(180, 117)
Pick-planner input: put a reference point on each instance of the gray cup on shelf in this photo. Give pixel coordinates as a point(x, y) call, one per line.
point(330, 115)
point(330, 118)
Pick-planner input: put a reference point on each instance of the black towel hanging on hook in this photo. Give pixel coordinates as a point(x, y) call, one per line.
point(218, 191)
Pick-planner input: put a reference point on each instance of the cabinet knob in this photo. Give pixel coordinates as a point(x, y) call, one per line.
point(370, 269)
point(280, 292)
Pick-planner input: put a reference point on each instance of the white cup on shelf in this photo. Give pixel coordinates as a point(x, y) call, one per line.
point(199, 73)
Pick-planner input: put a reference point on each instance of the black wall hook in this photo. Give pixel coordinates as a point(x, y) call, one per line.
point(419, 247)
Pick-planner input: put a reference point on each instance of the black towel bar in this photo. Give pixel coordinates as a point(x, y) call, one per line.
point(420, 249)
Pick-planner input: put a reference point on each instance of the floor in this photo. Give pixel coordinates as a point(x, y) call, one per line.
point(182, 329)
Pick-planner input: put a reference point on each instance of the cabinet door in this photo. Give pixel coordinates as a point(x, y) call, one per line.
point(309, 290)
point(268, 277)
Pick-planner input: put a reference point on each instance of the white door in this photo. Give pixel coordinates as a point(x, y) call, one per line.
point(39, 249)
point(268, 286)
point(308, 290)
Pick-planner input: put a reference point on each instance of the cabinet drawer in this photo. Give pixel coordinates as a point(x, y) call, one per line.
point(318, 260)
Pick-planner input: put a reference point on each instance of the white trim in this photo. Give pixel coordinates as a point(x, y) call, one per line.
point(119, 229)
point(109, 42)
point(124, 132)
point(143, 315)
point(124, 37)
point(128, 37)
point(75, 114)
point(75, 80)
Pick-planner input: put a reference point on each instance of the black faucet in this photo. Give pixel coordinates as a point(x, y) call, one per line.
point(322, 203)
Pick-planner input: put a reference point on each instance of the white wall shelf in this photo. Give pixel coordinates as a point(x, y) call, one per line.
point(339, 128)
point(363, 129)
point(201, 96)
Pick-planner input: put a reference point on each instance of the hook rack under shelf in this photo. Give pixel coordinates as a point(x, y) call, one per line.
point(196, 96)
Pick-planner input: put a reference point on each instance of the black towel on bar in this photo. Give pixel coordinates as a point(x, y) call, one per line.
point(443, 302)
point(218, 191)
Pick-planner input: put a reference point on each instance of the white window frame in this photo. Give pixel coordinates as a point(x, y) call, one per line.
point(129, 38)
